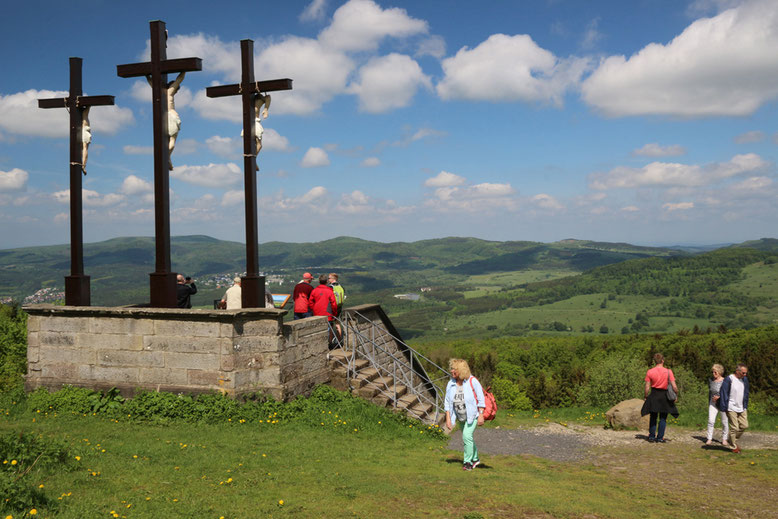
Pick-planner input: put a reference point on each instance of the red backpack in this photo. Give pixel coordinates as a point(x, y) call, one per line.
point(490, 411)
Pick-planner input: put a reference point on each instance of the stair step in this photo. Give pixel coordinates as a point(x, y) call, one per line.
point(423, 408)
point(400, 390)
point(361, 364)
point(364, 377)
point(381, 400)
point(384, 381)
point(407, 401)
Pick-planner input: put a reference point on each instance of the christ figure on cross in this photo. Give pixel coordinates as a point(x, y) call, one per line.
point(173, 119)
point(259, 113)
point(86, 137)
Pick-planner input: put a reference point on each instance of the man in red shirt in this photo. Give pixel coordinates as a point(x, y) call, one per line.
point(322, 300)
point(300, 296)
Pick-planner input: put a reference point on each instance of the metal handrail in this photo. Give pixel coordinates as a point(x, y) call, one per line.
point(351, 335)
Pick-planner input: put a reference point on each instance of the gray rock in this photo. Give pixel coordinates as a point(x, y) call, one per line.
point(626, 415)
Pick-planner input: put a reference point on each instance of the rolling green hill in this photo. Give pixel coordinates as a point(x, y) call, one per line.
point(471, 287)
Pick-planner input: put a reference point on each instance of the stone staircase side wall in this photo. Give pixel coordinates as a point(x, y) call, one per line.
point(192, 351)
point(384, 335)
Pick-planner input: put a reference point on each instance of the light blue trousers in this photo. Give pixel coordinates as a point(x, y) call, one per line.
point(471, 451)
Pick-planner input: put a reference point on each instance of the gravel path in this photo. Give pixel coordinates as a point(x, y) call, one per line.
point(574, 442)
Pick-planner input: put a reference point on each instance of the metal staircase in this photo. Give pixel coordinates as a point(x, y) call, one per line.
point(372, 361)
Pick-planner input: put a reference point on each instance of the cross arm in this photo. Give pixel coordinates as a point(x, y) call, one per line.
point(166, 66)
point(58, 102)
point(271, 85)
point(95, 101)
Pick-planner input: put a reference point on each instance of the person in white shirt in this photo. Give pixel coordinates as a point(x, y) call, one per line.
point(733, 400)
point(232, 298)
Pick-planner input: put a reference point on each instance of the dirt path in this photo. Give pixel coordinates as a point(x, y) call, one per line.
point(576, 442)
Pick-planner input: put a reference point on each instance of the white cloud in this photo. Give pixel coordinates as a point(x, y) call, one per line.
point(319, 72)
point(61, 218)
point(133, 185)
point(370, 162)
point(224, 146)
point(724, 65)
point(445, 179)
point(218, 56)
point(630, 209)
point(680, 206)
point(546, 201)
point(13, 180)
point(434, 46)
point(752, 136)
point(272, 140)
point(19, 114)
point(233, 197)
point(138, 150)
point(655, 150)
point(315, 158)
point(388, 82)
point(359, 25)
point(664, 174)
point(90, 198)
point(314, 11)
point(753, 185)
point(508, 68)
point(212, 175)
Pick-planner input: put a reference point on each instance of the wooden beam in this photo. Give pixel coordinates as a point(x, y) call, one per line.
point(94, 100)
point(60, 102)
point(166, 66)
point(271, 85)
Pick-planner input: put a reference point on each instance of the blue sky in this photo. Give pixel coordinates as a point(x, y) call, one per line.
point(650, 122)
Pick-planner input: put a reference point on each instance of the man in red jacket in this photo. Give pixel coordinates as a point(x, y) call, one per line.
point(322, 300)
point(300, 296)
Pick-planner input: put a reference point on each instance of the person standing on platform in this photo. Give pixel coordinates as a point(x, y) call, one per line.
point(322, 302)
point(302, 292)
point(232, 298)
point(733, 400)
point(184, 290)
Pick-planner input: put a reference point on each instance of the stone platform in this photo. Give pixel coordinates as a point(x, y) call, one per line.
point(189, 351)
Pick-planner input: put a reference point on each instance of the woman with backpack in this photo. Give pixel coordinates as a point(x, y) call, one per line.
point(465, 403)
point(659, 402)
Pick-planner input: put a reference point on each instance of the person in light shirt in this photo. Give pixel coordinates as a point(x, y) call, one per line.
point(733, 400)
point(232, 298)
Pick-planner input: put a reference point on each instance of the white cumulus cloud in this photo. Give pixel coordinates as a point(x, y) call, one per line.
point(19, 114)
point(509, 68)
point(680, 206)
point(370, 162)
point(13, 180)
point(723, 65)
point(315, 158)
point(665, 174)
point(233, 197)
point(546, 201)
point(445, 179)
point(314, 11)
point(133, 185)
point(360, 25)
point(212, 175)
point(90, 198)
point(388, 82)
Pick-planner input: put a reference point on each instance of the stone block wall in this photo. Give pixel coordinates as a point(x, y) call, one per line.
point(232, 351)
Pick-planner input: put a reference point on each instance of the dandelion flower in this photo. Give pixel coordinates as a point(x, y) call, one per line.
point(40, 486)
point(281, 502)
point(78, 458)
point(33, 511)
point(13, 462)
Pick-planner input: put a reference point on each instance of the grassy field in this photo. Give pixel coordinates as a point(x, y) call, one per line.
point(235, 470)
point(485, 284)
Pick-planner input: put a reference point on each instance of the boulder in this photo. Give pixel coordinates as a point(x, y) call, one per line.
point(626, 415)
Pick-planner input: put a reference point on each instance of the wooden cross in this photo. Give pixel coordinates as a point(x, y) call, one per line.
point(252, 284)
point(77, 291)
point(163, 281)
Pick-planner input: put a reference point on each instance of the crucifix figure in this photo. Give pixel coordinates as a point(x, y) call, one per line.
point(253, 96)
point(173, 119)
point(77, 284)
point(163, 281)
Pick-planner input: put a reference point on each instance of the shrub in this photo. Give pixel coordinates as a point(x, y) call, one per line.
point(69, 399)
point(692, 392)
point(619, 377)
point(509, 395)
point(13, 346)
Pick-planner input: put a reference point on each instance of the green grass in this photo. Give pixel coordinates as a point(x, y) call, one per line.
point(485, 284)
point(245, 470)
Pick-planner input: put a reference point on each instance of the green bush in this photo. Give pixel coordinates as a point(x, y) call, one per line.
point(69, 399)
point(692, 392)
point(619, 377)
point(13, 346)
point(508, 395)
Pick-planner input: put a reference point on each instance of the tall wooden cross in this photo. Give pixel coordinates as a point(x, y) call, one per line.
point(163, 281)
point(252, 284)
point(77, 291)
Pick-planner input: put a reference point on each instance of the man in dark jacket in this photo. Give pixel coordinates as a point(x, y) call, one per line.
point(184, 290)
point(300, 296)
point(733, 400)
